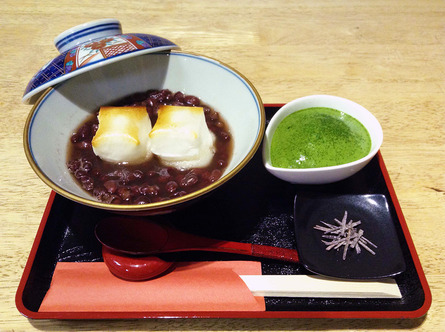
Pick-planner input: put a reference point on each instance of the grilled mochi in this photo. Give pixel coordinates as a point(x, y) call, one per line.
point(181, 138)
point(122, 135)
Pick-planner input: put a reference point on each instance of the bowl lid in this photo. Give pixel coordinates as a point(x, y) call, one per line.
point(88, 46)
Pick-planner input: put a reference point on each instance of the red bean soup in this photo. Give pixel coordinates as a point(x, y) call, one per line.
point(150, 181)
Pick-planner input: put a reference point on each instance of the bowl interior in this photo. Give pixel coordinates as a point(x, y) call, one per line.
point(62, 109)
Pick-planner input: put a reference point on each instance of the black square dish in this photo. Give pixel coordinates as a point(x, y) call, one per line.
point(326, 213)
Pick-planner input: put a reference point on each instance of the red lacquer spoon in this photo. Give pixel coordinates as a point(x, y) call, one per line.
point(130, 246)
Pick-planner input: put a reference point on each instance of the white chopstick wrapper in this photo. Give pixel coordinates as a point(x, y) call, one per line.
point(319, 286)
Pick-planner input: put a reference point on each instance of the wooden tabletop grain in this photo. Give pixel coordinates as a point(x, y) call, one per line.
point(388, 56)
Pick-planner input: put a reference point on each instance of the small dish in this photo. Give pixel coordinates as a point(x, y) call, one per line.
point(89, 46)
point(329, 174)
point(376, 222)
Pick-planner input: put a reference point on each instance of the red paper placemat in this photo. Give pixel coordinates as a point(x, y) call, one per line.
point(192, 286)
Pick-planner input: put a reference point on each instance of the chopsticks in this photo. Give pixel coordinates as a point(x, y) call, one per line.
point(320, 287)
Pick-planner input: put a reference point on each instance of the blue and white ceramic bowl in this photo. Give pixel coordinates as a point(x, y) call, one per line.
point(88, 46)
point(60, 110)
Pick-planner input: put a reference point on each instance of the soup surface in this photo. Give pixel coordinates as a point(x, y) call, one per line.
point(120, 183)
point(318, 137)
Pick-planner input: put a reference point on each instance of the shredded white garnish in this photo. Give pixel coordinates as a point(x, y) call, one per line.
point(345, 234)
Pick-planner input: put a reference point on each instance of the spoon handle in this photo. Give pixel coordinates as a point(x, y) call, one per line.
point(282, 254)
point(179, 241)
point(255, 250)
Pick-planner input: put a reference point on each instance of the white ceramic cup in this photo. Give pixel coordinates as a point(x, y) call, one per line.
point(323, 175)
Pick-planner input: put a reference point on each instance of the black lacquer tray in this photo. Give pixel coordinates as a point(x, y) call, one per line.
point(253, 207)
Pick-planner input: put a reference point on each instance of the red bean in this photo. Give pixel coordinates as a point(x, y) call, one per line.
point(179, 193)
point(152, 190)
point(84, 132)
point(87, 182)
point(135, 190)
point(96, 173)
point(83, 145)
point(111, 186)
point(152, 174)
point(125, 176)
point(99, 192)
point(224, 135)
point(215, 175)
point(114, 199)
point(75, 138)
point(189, 180)
point(213, 115)
point(124, 193)
point(171, 186)
point(88, 186)
point(166, 96)
point(221, 163)
point(152, 106)
point(73, 165)
point(94, 128)
point(191, 100)
point(137, 175)
point(79, 173)
point(84, 178)
point(179, 97)
point(142, 200)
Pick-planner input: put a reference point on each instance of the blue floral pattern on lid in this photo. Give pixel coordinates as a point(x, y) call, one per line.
point(87, 55)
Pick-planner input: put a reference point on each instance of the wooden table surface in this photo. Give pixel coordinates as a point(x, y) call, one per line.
point(388, 56)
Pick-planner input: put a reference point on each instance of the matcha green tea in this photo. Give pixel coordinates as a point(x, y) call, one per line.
point(318, 137)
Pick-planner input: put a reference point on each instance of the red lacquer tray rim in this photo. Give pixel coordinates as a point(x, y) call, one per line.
point(233, 314)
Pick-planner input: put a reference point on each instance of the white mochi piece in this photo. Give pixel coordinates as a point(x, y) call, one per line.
point(181, 137)
point(123, 135)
